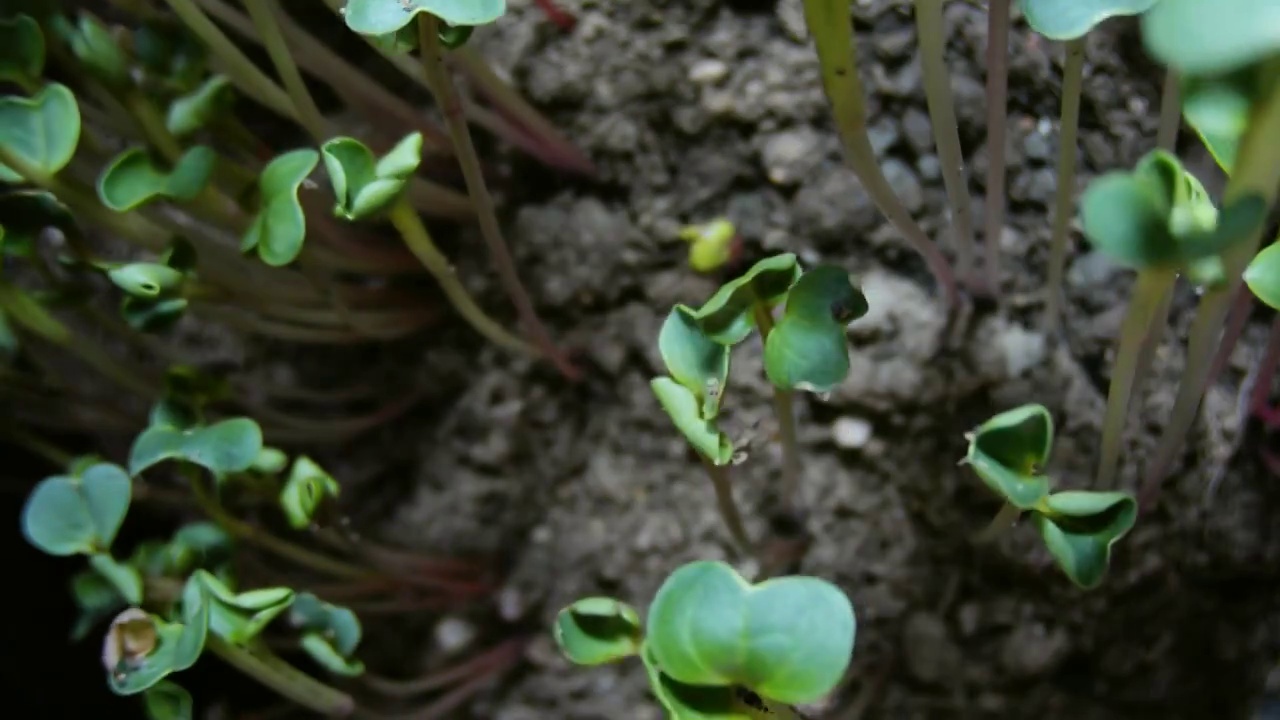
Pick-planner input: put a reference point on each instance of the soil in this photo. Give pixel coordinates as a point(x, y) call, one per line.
point(702, 108)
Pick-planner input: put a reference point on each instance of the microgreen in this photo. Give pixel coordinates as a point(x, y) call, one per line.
point(280, 226)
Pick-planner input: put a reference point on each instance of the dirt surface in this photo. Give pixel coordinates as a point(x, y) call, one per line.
point(699, 108)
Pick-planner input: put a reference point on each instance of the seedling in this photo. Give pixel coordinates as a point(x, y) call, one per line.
point(1009, 453)
point(712, 245)
point(715, 645)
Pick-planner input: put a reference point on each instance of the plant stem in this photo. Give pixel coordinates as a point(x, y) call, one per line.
point(831, 24)
point(1237, 319)
point(784, 407)
point(1072, 80)
point(1260, 393)
point(1142, 321)
point(447, 98)
point(406, 221)
point(727, 506)
point(265, 19)
point(1170, 112)
point(997, 120)
point(1257, 172)
point(480, 664)
point(152, 125)
point(999, 525)
point(267, 668)
point(932, 39)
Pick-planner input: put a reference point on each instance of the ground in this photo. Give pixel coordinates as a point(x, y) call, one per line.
point(702, 108)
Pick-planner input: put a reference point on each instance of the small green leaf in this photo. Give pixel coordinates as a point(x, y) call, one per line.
point(146, 280)
point(124, 578)
point(1071, 19)
point(1125, 215)
point(710, 244)
point(379, 17)
point(685, 411)
point(279, 228)
point(707, 702)
point(42, 131)
point(453, 37)
point(305, 489)
point(94, 45)
point(598, 630)
point(727, 316)
point(270, 461)
point(1217, 108)
point(241, 617)
point(170, 53)
point(197, 545)
point(1080, 527)
point(328, 657)
point(167, 701)
point(338, 624)
point(362, 185)
point(153, 316)
point(21, 50)
point(70, 515)
point(788, 639)
point(1009, 452)
point(807, 349)
point(132, 179)
point(224, 447)
point(694, 360)
point(197, 614)
point(1196, 37)
point(1263, 275)
point(195, 110)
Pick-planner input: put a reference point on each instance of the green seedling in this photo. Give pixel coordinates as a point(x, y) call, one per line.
point(806, 349)
point(307, 486)
point(711, 245)
point(1009, 453)
point(94, 46)
point(222, 448)
point(381, 17)
point(717, 646)
point(38, 135)
point(77, 514)
point(330, 634)
point(365, 185)
point(729, 315)
point(22, 51)
point(199, 108)
point(133, 178)
point(280, 226)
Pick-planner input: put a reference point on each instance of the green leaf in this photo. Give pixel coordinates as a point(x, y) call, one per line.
point(1080, 527)
point(327, 656)
point(1217, 108)
point(807, 349)
point(138, 651)
point(305, 489)
point(167, 701)
point(379, 17)
point(710, 244)
point(124, 578)
point(1071, 19)
point(270, 461)
point(1009, 452)
point(788, 639)
point(71, 515)
point(362, 185)
point(1196, 37)
point(21, 50)
point(42, 131)
point(707, 702)
point(727, 316)
point(132, 179)
point(337, 624)
point(1125, 215)
point(694, 360)
point(1263, 276)
point(685, 411)
point(146, 280)
point(171, 53)
point(197, 545)
point(97, 49)
point(453, 37)
point(224, 447)
point(598, 630)
point(195, 110)
point(197, 614)
point(241, 617)
point(153, 316)
point(279, 228)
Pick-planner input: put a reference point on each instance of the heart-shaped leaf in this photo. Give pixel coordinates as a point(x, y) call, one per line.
point(1009, 452)
point(124, 578)
point(305, 489)
point(727, 316)
point(223, 447)
point(788, 639)
point(598, 630)
point(196, 109)
point(42, 131)
point(97, 597)
point(240, 617)
point(132, 179)
point(694, 360)
point(1212, 38)
point(685, 411)
point(1080, 527)
point(167, 701)
point(710, 244)
point(1263, 275)
point(362, 185)
point(67, 515)
point(707, 702)
point(146, 280)
point(279, 228)
point(1071, 19)
point(379, 17)
point(96, 48)
point(21, 50)
point(807, 349)
point(338, 625)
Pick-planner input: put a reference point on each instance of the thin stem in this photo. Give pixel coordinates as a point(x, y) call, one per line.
point(1260, 393)
point(1257, 171)
point(784, 407)
point(1072, 80)
point(1170, 112)
point(726, 504)
point(152, 125)
point(932, 40)
point(831, 24)
point(447, 98)
point(481, 664)
point(405, 219)
point(1004, 520)
point(1151, 291)
point(266, 667)
point(265, 19)
point(1237, 319)
point(997, 120)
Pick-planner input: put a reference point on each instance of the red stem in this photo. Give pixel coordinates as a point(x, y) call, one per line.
point(555, 14)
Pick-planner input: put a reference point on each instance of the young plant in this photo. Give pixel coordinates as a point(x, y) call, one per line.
point(715, 645)
point(804, 350)
point(1010, 453)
